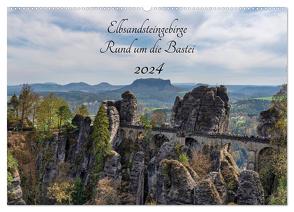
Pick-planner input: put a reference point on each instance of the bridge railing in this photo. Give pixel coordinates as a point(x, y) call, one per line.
point(181, 133)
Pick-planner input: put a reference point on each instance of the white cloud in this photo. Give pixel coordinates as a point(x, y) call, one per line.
point(46, 46)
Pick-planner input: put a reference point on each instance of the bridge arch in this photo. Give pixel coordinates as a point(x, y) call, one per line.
point(192, 143)
point(264, 157)
point(252, 148)
point(155, 143)
point(159, 139)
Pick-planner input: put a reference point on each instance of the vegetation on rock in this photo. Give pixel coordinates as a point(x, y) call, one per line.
point(61, 192)
point(106, 192)
point(200, 163)
point(274, 169)
point(82, 110)
point(12, 165)
point(100, 137)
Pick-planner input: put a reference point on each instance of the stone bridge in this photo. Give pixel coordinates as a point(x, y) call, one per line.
point(255, 147)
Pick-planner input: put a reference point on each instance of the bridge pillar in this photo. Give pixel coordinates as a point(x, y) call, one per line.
point(181, 140)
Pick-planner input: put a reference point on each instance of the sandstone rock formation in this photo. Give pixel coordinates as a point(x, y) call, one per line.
point(204, 109)
point(127, 108)
point(150, 171)
point(137, 178)
point(14, 191)
point(123, 111)
point(250, 191)
point(175, 184)
point(114, 119)
point(65, 156)
point(267, 121)
point(224, 163)
point(218, 180)
point(112, 167)
point(205, 193)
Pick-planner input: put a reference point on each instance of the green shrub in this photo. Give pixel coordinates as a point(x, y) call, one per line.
point(178, 148)
point(12, 165)
point(61, 192)
point(78, 196)
point(183, 158)
point(280, 196)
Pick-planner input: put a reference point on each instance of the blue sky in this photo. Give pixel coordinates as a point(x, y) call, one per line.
point(233, 47)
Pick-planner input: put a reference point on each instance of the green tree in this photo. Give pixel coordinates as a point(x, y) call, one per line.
point(26, 101)
point(12, 166)
point(78, 195)
point(158, 118)
point(82, 110)
point(101, 138)
point(64, 115)
point(14, 104)
point(35, 105)
point(146, 123)
point(276, 164)
point(48, 112)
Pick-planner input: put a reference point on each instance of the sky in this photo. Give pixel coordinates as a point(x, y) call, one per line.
point(238, 46)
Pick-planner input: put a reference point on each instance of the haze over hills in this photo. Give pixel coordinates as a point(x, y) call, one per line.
point(151, 92)
point(247, 101)
point(54, 87)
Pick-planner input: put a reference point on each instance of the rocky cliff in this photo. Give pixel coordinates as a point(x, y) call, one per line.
point(149, 169)
point(204, 109)
point(14, 191)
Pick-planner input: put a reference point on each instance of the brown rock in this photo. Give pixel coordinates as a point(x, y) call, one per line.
point(14, 191)
point(112, 167)
point(250, 191)
point(204, 109)
point(127, 108)
point(174, 183)
point(205, 193)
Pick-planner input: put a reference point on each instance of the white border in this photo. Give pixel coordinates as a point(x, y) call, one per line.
point(146, 4)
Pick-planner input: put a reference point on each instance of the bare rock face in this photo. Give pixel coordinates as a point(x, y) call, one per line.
point(127, 108)
point(224, 163)
point(250, 191)
point(137, 178)
point(14, 191)
point(267, 121)
point(114, 119)
point(218, 180)
point(167, 151)
point(204, 109)
point(205, 193)
point(112, 167)
point(65, 156)
point(174, 183)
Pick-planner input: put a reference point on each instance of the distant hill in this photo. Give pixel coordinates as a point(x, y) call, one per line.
point(242, 92)
point(53, 87)
point(152, 92)
point(150, 85)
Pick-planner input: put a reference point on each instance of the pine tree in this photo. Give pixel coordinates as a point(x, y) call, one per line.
point(64, 115)
point(101, 138)
point(14, 103)
point(25, 103)
point(78, 196)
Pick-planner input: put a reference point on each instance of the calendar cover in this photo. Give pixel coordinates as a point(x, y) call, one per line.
point(171, 106)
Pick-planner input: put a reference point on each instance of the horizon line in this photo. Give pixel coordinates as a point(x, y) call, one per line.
point(173, 83)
